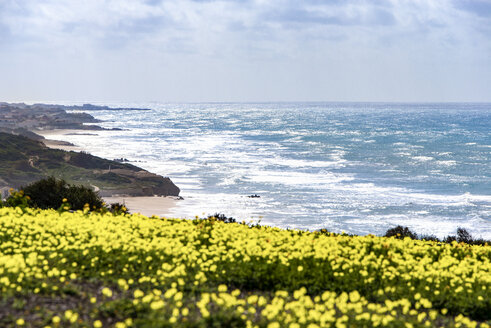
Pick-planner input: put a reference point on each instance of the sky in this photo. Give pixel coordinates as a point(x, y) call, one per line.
point(245, 51)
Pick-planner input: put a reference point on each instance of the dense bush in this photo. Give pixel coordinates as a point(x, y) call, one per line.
point(50, 193)
point(400, 232)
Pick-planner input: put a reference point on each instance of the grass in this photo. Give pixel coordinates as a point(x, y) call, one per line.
point(89, 270)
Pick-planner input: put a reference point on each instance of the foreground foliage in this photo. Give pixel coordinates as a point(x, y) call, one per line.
point(91, 270)
point(463, 236)
point(50, 193)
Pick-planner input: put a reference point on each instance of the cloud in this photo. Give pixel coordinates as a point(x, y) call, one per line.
point(477, 7)
point(127, 23)
point(314, 40)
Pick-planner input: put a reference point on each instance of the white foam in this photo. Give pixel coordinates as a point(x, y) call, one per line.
point(423, 158)
point(447, 163)
point(298, 178)
point(300, 163)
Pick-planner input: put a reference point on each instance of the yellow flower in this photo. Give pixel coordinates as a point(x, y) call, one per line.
point(107, 292)
point(138, 293)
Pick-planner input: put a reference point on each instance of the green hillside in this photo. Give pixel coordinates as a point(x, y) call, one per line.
point(24, 160)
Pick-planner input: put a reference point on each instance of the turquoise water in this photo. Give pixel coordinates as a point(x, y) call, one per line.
point(354, 167)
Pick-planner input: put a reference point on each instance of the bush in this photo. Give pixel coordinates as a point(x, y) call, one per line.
point(78, 196)
point(17, 199)
point(222, 218)
point(50, 193)
point(429, 238)
point(400, 232)
point(463, 236)
point(118, 209)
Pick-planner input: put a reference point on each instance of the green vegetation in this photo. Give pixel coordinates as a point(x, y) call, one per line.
point(84, 269)
point(23, 161)
point(52, 193)
point(463, 236)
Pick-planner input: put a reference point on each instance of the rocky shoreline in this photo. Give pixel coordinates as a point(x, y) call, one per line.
point(23, 119)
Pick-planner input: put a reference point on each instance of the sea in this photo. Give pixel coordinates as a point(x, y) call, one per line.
point(358, 168)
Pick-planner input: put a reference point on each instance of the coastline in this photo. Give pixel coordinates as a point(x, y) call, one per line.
point(145, 205)
point(116, 181)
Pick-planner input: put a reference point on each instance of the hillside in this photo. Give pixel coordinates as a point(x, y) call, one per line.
point(24, 160)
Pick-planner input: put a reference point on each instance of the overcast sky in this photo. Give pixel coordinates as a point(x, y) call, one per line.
point(263, 50)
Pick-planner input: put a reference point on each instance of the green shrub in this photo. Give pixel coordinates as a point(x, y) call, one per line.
point(51, 193)
point(221, 217)
point(118, 209)
point(400, 232)
point(17, 199)
point(78, 196)
point(463, 236)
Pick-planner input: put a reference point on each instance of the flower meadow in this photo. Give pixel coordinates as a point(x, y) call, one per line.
point(81, 269)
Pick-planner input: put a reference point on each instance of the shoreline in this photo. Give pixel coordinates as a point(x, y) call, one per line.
point(61, 144)
point(53, 125)
point(152, 205)
point(146, 205)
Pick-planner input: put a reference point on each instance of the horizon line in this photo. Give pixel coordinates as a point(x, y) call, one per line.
point(30, 102)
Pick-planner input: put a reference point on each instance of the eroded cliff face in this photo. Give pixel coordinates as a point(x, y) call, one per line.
point(23, 160)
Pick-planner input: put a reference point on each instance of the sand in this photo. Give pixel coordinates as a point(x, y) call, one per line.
point(63, 145)
point(147, 206)
point(58, 132)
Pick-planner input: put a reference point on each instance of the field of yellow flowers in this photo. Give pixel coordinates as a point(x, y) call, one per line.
point(101, 270)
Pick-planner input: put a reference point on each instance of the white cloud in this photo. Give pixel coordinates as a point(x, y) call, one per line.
point(278, 49)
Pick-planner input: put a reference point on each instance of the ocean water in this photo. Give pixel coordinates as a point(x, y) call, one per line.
point(355, 167)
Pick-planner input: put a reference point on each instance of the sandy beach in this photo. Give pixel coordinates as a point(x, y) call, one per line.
point(148, 206)
point(58, 144)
